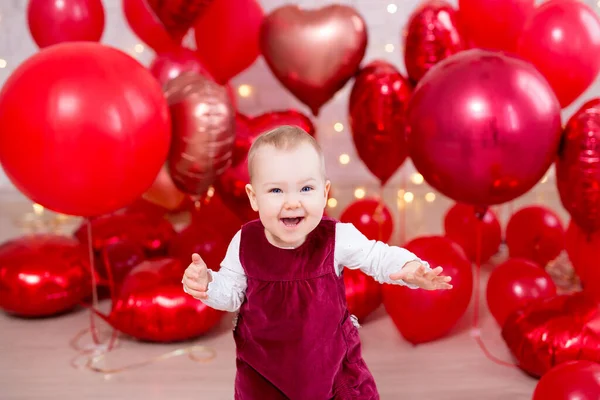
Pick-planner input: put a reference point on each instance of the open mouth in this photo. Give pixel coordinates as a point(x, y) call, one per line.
point(291, 222)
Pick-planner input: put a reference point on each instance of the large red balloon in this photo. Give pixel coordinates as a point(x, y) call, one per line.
point(494, 25)
point(371, 217)
point(473, 116)
point(43, 275)
point(535, 233)
point(84, 128)
point(584, 252)
point(514, 284)
point(363, 293)
point(572, 380)
point(421, 315)
point(578, 167)
point(227, 37)
point(477, 236)
point(377, 114)
point(152, 305)
point(433, 34)
point(553, 331)
point(562, 39)
point(51, 22)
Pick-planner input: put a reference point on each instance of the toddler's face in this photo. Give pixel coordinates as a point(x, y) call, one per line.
point(289, 192)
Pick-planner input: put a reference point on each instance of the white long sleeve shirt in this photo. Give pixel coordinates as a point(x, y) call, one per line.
point(352, 250)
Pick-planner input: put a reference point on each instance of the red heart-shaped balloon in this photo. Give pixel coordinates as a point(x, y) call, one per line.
point(231, 185)
point(552, 331)
point(377, 114)
point(363, 293)
point(152, 305)
point(43, 275)
point(421, 315)
point(313, 53)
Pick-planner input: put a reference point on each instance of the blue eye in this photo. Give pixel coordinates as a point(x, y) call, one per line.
point(307, 188)
point(275, 190)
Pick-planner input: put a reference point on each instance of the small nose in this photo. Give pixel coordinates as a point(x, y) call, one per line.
point(291, 202)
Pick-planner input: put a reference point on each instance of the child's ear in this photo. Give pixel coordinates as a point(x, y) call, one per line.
point(252, 197)
point(327, 187)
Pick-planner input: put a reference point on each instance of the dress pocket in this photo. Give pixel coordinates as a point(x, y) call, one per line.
point(352, 339)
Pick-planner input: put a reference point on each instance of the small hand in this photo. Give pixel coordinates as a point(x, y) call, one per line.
point(196, 278)
point(414, 273)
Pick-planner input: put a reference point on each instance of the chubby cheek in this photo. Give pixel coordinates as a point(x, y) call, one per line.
point(269, 206)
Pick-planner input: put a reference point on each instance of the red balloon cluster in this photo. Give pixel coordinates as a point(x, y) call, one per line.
point(553, 331)
point(377, 115)
point(480, 238)
point(432, 314)
point(43, 275)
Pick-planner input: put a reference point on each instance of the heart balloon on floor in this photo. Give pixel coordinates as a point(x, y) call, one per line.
point(472, 116)
point(553, 331)
point(377, 114)
point(203, 122)
point(231, 186)
point(101, 130)
point(431, 314)
point(52, 22)
point(433, 34)
point(571, 380)
point(578, 167)
point(43, 275)
point(313, 53)
point(152, 305)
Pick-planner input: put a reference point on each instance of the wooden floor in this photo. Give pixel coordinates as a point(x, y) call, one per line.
point(36, 361)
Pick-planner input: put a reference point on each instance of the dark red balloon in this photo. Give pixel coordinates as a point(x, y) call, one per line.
point(116, 260)
point(377, 115)
point(477, 236)
point(423, 316)
point(571, 380)
point(472, 116)
point(553, 331)
point(578, 167)
point(84, 128)
point(170, 64)
point(204, 238)
point(231, 186)
point(363, 293)
point(558, 39)
point(43, 275)
point(227, 37)
point(433, 34)
point(51, 22)
point(584, 252)
point(492, 24)
point(152, 305)
point(535, 233)
point(514, 284)
point(371, 217)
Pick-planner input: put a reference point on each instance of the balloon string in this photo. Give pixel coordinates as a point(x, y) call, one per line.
point(93, 356)
point(94, 289)
point(476, 330)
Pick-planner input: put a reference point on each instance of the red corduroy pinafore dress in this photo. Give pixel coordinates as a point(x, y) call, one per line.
point(295, 338)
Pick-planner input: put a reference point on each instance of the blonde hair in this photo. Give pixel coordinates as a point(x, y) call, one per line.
point(285, 137)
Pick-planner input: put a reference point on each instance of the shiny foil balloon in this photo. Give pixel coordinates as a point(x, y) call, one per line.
point(164, 193)
point(363, 293)
point(52, 22)
point(231, 186)
point(43, 275)
point(203, 122)
point(371, 217)
point(313, 53)
point(578, 167)
point(163, 24)
point(535, 233)
point(100, 134)
point(433, 34)
point(377, 115)
point(150, 234)
point(152, 305)
point(514, 284)
point(484, 127)
point(553, 331)
point(480, 238)
point(583, 249)
point(421, 315)
point(571, 380)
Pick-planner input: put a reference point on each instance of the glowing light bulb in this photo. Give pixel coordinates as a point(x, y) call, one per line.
point(409, 197)
point(338, 127)
point(344, 159)
point(245, 90)
point(332, 203)
point(430, 197)
point(359, 193)
point(389, 47)
point(139, 48)
point(392, 8)
point(417, 178)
